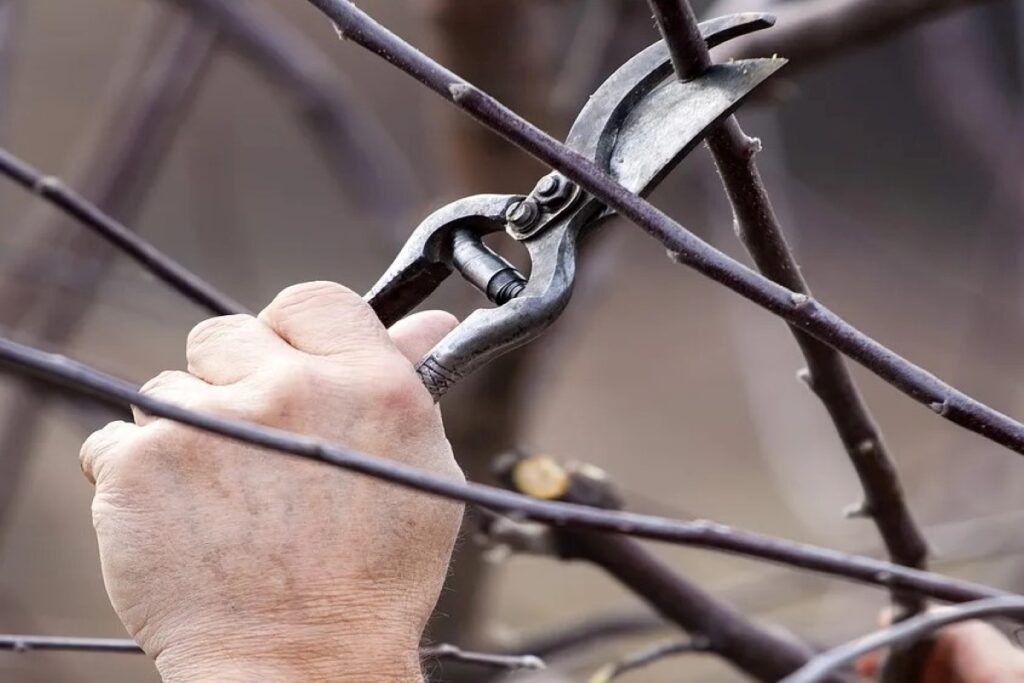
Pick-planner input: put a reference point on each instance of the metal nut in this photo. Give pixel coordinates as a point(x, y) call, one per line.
point(553, 189)
point(523, 214)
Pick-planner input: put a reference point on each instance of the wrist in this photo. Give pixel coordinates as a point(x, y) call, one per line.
point(294, 667)
point(292, 655)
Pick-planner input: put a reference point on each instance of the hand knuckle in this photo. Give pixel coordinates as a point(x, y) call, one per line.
point(207, 333)
point(309, 295)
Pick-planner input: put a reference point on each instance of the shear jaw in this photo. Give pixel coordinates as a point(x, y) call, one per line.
point(637, 126)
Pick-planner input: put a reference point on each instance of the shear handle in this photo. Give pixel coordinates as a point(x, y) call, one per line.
point(426, 259)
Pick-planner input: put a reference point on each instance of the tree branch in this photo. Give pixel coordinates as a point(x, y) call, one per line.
point(366, 158)
point(26, 643)
point(908, 631)
point(140, 115)
point(684, 246)
point(647, 657)
point(162, 266)
point(827, 375)
point(82, 379)
point(759, 652)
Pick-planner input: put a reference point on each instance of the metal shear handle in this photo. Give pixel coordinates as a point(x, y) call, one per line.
point(638, 125)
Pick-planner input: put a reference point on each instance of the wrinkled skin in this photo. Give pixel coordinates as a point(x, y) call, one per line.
point(227, 562)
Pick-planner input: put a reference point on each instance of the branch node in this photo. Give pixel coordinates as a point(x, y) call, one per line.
point(858, 510)
point(867, 447)
point(460, 91)
point(940, 407)
point(799, 299)
point(46, 184)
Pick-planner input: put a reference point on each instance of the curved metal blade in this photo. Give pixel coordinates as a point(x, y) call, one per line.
point(593, 132)
point(670, 121)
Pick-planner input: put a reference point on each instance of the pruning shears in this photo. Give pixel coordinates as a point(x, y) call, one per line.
point(637, 126)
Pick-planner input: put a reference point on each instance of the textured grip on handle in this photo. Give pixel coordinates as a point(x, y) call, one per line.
point(435, 377)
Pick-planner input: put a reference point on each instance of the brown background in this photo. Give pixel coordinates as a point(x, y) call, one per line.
point(684, 393)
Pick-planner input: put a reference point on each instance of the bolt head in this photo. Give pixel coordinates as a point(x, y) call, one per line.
point(552, 190)
point(547, 186)
point(523, 214)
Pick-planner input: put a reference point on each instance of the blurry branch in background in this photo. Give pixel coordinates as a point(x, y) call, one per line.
point(764, 654)
point(374, 172)
point(10, 11)
point(571, 637)
point(27, 643)
point(139, 118)
point(809, 32)
point(593, 38)
point(907, 632)
point(977, 113)
point(647, 657)
point(148, 256)
point(826, 374)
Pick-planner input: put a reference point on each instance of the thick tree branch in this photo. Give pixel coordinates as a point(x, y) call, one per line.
point(826, 374)
point(905, 632)
point(75, 377)
point(762, 653)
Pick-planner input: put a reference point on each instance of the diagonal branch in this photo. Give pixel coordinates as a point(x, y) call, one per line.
point(361, 152)
point(139, 119)
point(445, 651)
point(162, 266)
point(794, 307)
point(60, 371)
point(760, 652)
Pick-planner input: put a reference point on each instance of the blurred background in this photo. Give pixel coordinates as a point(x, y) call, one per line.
point(896, 168)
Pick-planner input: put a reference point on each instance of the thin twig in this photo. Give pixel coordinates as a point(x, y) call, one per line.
point(165, 268)
point(565, 639)
point(810, 32)
point(684, 246)
point(484, 659)
point(375, 171)
point(907, 631)
point(30, 643)
point(76, 377)
point(647, 657)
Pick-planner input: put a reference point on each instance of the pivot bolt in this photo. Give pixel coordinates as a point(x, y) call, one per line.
point(522, 215)
point(553, 189)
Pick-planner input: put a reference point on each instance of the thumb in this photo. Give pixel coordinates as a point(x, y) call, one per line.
point(416, 335)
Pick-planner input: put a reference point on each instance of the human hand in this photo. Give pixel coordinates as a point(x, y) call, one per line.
point(968, 652)
point(227, 562)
